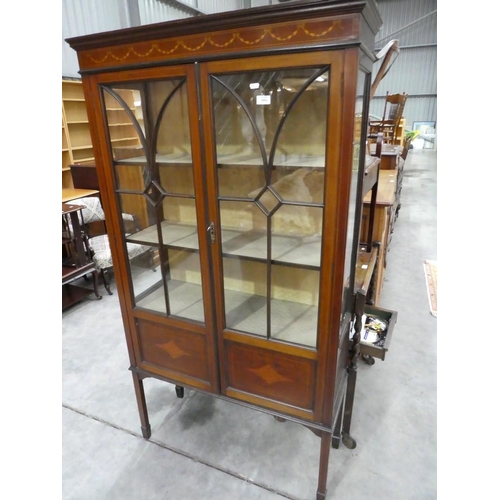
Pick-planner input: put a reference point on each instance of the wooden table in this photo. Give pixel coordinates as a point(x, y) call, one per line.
point(77, 262)
point(69, 194)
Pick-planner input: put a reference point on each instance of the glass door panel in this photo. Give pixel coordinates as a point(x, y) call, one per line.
point(296, 235)
point(245, 295)
point(243, 229)
point(155, 187)
point(270, 148)
point(294, 304)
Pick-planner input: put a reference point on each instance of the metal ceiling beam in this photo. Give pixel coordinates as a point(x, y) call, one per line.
point(133, 12)
point(179, 4)
point(406, 26)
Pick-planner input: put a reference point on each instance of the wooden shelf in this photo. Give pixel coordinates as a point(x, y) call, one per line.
point(75, 122)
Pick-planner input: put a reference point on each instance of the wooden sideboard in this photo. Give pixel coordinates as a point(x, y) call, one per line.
point(391, 156)
point(385, 216)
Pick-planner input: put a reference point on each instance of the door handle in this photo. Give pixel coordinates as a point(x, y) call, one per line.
point(211, 231)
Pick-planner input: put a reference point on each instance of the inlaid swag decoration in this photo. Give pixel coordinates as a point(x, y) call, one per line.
point(259, 37)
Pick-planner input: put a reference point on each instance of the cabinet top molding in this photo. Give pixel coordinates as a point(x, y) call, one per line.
point(268, 28)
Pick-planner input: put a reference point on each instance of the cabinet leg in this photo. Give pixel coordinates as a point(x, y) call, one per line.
point(179, 390)
point(348, 441)
point(141, 404)
point(326, 439)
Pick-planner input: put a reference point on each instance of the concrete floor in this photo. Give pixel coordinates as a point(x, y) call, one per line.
point(203, 448)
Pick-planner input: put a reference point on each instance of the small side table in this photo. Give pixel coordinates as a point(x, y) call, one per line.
point(77, 262)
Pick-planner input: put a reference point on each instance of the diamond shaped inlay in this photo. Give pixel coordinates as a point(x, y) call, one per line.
point(268, 200)
point(173, 350)
point(269, 375)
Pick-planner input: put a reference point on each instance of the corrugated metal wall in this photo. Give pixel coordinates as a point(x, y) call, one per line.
point(414, 24)
point(83, 17)
point(155, 11)
point(212, 6)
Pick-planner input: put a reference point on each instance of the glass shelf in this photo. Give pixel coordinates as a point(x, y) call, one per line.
point(178, 235)
point(184, 300)
point(290, 321)
point(301, 251)
point(173, 158)
point(293, 250)
point(235, 160)
point(280, 160)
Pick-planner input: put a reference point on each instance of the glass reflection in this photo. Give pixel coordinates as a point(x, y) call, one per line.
point(270, 138)
point(149, 134)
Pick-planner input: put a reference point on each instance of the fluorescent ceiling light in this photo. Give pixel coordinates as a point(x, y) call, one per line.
point(320, 79)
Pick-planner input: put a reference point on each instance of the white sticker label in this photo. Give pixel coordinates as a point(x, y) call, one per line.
point(264, 99)
point(364, 266)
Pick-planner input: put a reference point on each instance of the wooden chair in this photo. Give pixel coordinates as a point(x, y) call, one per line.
point(393, 113)
point(99, 245)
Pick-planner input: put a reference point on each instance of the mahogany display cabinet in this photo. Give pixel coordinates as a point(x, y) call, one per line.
point(246, 179)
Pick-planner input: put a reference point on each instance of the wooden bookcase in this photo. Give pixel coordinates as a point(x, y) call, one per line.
point(77, 148)
point(76, 144)
point(400, 133)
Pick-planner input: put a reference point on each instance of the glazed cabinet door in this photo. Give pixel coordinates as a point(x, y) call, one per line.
point(155, 181)
point(271, 154)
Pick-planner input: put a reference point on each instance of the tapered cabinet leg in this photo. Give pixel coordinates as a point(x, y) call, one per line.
point(326, 439)
point(348, 441)
point(179, 390)
point(141, 404)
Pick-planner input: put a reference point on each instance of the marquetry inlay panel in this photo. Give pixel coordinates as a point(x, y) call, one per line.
point(172, 349)
point(279, 377)
point(205, 44)
point(269, 375)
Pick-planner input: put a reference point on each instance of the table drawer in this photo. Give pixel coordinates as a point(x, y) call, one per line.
point(390, 317)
